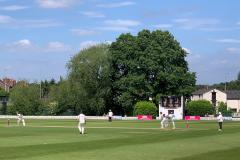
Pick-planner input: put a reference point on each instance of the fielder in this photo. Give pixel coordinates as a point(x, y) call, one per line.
point(110, 115)
point(82, 122)
point(20, 119)
point(220, 121)
point(164, 122)
point(160, 118)
point(171, 117)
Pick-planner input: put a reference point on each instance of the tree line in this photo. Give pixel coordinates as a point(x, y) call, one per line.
point(133, 68)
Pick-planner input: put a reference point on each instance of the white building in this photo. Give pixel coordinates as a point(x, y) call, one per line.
point(172, 105)
point(231, 97)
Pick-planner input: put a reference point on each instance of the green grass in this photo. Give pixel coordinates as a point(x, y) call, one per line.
point(119, 140)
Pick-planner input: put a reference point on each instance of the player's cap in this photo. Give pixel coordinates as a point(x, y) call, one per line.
point(219, 113)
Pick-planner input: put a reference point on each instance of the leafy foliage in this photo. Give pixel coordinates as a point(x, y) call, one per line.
point(145, 108)
point(25, 99)
point(147, 65)
point(199, 108)
point(89, 80)
point(222, 107)
point(3, 93)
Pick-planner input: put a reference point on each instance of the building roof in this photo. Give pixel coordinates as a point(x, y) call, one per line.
point(233, 94)
point(201, 91)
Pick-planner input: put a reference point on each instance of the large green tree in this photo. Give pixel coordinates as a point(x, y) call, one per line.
point(148, 65)
point(89, 80)
point(25, 98)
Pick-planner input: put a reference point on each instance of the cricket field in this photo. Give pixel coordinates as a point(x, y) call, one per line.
point(118, 140)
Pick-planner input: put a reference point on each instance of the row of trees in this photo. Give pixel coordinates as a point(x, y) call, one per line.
point(232, 85)
point(116, 76)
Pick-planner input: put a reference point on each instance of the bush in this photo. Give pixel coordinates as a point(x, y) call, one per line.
point(222, 107)
point(145, 108)
point(199, 108)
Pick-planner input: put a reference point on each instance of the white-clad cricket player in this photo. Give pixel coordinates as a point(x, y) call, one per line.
point(82, 122)
point(110, 115)
point(160, 118)
point(171, 117)
point(164, 121)
point(20, 119)
point(220, 121)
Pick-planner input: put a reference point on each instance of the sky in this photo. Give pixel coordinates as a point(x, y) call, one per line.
point(39, 37)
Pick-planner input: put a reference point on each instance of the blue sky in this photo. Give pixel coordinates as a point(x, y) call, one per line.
point(38, 37)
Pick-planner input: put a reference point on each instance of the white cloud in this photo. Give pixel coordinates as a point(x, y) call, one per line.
point(87, 44)
point(24, 43)
point(195, 23)
point(163, 26)
point(116, 28)
point(55, 3)
point(38, 23)
point(26, 46)
point(13, 8)
point(93, 14)
point(121, 23)
point(116, 5)
point(5, 19)
point(84, 32)
point(233, 50)
point(57, 47)
point(227, 40)
point(191, 57)
point(186, 50)
point(9, 22)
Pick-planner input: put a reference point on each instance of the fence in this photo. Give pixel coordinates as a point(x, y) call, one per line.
point(68, 117)
point(104, 118)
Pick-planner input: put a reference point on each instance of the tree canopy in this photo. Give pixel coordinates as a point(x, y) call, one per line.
point(133, 68)
point(148, 65)
point(89, 80)
point(25, 99)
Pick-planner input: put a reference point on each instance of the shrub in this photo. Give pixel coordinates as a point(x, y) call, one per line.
point(222, 107)
point(199, 108)
point(145, 108)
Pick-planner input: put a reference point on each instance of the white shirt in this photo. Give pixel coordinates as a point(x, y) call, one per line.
point(20, 116)
point(164, 118)
point(81, 118)
point(171, 116)
point(220, 118)
point(110, 114)
point(160, 116)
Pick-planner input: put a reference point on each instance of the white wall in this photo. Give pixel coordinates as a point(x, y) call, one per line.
point(178, 112)
point(197, 97)
point(234, 104)
point(220, 96)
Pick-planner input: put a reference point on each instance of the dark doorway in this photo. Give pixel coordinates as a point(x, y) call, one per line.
point(214, 100)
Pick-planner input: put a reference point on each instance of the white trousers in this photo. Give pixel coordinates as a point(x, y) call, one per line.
point(23, 122)
point(164, 123)
point(81, 127)
point(173, 124)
